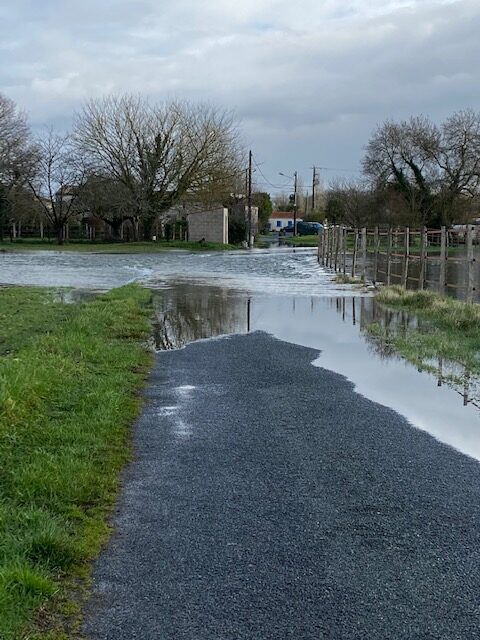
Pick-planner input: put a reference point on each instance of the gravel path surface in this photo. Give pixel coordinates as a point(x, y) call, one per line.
point(269, 500)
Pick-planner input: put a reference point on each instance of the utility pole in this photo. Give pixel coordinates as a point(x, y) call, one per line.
point(250, 239)
point(295, 204)
point(315, 183)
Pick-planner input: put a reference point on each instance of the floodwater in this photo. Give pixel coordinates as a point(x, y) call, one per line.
point(277, 270)
point(456, 273)
point(286, 293)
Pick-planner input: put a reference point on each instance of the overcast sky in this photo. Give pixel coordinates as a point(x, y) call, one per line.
point(308, 80)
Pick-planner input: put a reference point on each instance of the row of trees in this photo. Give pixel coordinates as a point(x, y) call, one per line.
point(415, 172)
point(124, 159)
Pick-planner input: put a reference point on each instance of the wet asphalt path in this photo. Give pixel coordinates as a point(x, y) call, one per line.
point(269, 500)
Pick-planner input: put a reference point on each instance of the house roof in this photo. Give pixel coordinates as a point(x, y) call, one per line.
point(282, 214)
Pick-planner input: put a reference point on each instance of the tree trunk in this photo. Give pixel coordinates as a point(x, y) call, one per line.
point(59, 232)
point(115, 226)
point(148, 228)
point(4, 209)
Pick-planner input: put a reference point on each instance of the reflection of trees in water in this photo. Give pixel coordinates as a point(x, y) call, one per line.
point(185, 313)
point(380, 326)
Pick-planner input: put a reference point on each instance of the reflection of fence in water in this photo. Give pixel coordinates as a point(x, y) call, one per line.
point(442, 259)
point(366, 311)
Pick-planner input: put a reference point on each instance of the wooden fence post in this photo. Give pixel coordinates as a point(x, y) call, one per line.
point(405, 259)
point(376, 248)
point(329, 244)
point(354, 255)
point(332, 245)
point(327, 248)
point(389, 257)
point(364, 253)
point(335, 252)
point(443, 260)
point(470, 264)
point(324, 245)
point(344, 250)
point(423, 252)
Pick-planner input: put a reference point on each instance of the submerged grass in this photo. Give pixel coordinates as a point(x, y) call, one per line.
point(451, 328)
point(69, 377)
point(112, 247)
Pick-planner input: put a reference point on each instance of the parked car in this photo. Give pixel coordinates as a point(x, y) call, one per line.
point(309, 228)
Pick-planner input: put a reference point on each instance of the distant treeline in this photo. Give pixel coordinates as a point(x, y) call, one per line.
point(125, 161)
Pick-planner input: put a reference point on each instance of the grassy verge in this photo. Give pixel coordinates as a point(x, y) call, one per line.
point(112, 247)
point(301, 241)
point(450, 329)
point(69, 381)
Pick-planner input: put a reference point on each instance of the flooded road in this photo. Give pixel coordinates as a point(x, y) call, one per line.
point(284, 293)
point(273, 271)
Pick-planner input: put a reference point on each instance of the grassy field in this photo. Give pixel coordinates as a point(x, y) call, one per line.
point(69, 382)
point(450, 328)
point(112, 247)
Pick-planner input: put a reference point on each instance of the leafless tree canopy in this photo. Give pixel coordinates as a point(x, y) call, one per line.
point(58, 180)
point(107, 199)
point(350, 202)
point(433, 169)
point(161, 153)
point(17, 159)
point(17, 154)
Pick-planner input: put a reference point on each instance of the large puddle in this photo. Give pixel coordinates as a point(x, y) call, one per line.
point(336, 327)
point(285, 293)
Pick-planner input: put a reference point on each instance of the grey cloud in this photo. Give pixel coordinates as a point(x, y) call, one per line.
point(309, 81)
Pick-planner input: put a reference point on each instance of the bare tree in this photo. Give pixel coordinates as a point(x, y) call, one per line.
point(434, 169)
point(17, 154)
point(399, 155)
point(58, 181)
point(107, 199)
point(162, 154)
point(350, 202)
point(458, 157)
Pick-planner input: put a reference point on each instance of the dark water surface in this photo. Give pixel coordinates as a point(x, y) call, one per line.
point(283, 292)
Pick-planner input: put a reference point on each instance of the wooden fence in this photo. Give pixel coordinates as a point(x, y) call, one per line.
point(371, 254)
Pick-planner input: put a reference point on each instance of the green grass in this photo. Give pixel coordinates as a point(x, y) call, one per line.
point(301, 241)
point(112, 247)
point(450, 329)
point(69, 382)
point(344, 278)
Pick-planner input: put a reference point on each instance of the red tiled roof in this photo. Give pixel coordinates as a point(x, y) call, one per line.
point(282, 214)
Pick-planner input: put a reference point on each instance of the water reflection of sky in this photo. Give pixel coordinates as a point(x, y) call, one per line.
point(389, 381)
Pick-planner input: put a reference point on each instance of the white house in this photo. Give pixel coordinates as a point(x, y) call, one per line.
point(281, 219)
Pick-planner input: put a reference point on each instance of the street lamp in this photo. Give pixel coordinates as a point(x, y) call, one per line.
point(294, 178)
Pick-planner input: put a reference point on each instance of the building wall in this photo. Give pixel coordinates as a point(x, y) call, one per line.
point(284, 222)
point(211, 226)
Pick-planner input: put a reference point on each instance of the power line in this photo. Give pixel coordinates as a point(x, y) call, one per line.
point(267, 181)
point(337, 169)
